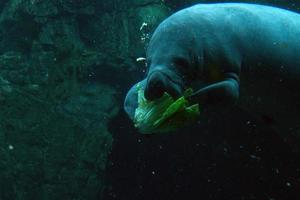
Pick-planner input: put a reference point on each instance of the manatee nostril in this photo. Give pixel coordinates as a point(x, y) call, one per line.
point(155, 86)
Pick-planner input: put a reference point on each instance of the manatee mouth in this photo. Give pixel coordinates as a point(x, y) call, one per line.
point(160, 81)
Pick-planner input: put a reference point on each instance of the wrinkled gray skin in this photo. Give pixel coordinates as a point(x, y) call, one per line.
point(226, 52)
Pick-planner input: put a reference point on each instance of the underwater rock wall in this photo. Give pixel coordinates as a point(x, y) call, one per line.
point(62, 66)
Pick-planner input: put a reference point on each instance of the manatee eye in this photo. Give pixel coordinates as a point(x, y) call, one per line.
point(181, 62)
point(182, 66)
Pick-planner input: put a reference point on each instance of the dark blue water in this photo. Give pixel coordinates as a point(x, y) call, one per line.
point(65, 68)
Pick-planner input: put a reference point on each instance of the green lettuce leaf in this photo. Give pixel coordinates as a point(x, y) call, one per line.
point(164, 114)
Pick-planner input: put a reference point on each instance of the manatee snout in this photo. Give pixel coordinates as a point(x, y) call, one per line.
point(154, 87)
point(159, 82)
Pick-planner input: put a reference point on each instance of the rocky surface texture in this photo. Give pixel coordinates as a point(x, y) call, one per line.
point(62, 66)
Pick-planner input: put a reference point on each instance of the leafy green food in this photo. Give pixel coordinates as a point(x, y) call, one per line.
point(164, 114)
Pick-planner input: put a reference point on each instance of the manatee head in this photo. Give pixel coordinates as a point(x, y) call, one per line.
point(160, 80)
point(171, 70)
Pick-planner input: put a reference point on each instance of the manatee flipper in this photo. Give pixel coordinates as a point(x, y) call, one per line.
point(222, 92)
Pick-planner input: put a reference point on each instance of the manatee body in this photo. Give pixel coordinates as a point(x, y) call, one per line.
point(229, 53)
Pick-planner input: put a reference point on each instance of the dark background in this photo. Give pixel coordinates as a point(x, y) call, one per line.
point(228, 156)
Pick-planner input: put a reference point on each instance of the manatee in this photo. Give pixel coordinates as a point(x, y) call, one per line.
point(231, 54)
